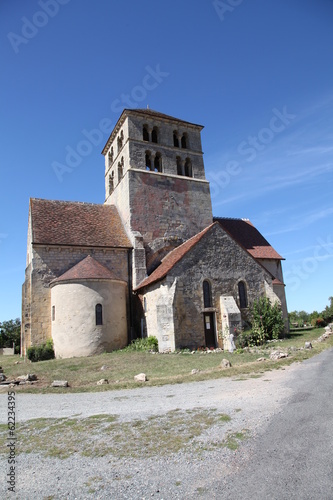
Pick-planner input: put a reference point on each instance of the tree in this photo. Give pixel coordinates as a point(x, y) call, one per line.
point(10, 333)
point(327, 314)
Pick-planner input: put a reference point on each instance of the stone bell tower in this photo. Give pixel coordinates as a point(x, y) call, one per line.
point(155, 176)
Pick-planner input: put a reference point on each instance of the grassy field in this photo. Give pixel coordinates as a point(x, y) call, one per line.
point(82, 374)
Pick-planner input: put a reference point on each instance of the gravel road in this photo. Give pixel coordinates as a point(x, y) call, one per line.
point(252, 403)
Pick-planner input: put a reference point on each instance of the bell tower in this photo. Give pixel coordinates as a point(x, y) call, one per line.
point(155, 176)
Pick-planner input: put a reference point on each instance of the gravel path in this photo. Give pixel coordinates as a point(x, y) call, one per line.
point(251, 404)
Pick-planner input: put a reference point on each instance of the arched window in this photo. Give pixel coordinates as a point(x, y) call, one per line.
point(148, 160)
point(145, 133)
point(179, 166)
point(120, 169)
point(53, 313)
point(120, 140)
point(99, 314)
point(111, 182)
point(207, 294)
point(158, 163)
point(175, 139)
point(154, 135)
point(242, 294)
point(188, 167)
point(184, 141)
point(110, 157)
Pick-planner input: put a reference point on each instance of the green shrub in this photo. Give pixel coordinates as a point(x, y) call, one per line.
point(146, 344)
point(41, 352)
point(266, 320)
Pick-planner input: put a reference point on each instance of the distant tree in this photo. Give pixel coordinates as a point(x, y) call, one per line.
point(327, 314)
point(10, 333)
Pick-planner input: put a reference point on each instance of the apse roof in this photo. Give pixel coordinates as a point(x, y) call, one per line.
point(86, 269)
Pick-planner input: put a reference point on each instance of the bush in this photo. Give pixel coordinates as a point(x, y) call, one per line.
point(41, 352)
point(146, 344)
point(319, 322)
point(246, 339)
point(266, 320)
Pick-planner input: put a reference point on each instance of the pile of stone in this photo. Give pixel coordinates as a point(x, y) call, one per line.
point(328, 332)
point(30, 378)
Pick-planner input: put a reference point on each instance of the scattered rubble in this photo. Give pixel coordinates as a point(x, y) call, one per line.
point(141, 377)
point(103, 381)
point(59, 383)
point(225, 363)
point(278, 355)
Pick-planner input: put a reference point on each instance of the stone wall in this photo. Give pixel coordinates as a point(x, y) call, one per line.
point(221, 261)
point(48, 263)
point(165, 209)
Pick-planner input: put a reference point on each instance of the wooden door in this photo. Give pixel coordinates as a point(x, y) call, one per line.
point(209, 324)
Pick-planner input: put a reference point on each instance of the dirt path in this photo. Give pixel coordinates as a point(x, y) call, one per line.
point(251, 404)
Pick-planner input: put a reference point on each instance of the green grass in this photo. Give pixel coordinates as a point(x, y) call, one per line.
point(189, 431)
point(82, 374)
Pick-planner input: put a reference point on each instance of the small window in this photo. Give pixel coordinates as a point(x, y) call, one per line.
point(53, 313)
point(158, 163)
point(120, 141)
point(179, 166)
point(175, 139)
point(242, 295)
point(145, 304)
point(188, 167)
point(99, 314)
point(111, 182)
point(207, 294)
point(110, 157)
point(148, 160)
point(184, 141)
point(154, 135)
point(120, 169)
point(145, 133)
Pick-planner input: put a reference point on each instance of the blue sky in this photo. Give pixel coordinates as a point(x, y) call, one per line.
point(257, 74)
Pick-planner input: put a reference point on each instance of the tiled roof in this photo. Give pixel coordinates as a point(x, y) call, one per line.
point(143, 112)
point(248, 237)
point(88, 268)
point(171, 259)
point(76, 224)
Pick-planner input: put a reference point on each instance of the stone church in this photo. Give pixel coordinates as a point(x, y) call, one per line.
point(151, 260)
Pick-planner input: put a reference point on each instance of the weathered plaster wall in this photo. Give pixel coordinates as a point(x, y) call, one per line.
point(74, 329)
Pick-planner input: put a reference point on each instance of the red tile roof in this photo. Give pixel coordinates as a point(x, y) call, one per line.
point(248, 237)
point(171, 259)
point(76, 224)
point(88, 268)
